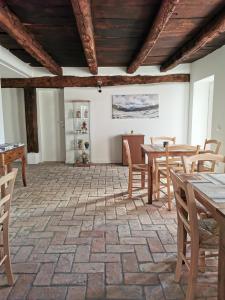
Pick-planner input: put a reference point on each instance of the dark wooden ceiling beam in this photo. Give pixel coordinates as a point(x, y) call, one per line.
point(213, 29)
point(13, 26)
point(165, 12)
point(92, 81)
point(82, 12)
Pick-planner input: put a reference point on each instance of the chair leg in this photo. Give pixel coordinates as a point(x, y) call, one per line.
point(168, 193)
point(130, 181)
point(180, 250)
point(7, 262)
point(202, 263)
point(142, 179)
point(158, 186)
point(193, 273)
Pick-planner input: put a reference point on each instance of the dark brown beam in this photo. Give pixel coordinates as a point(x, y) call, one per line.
point(31, 119)
point(12, 25)
point(165, 12)
point(93, 81)
point(213, 29)
point(82, 12)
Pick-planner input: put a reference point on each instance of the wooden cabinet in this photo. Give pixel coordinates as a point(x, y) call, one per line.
point(134, 140)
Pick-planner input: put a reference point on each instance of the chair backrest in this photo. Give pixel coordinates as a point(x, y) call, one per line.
point(212, 146)
point(127, 151)
point(6, 188)
point(161, 139)
point(186, 207)
point(180, 149)
point(191, 163)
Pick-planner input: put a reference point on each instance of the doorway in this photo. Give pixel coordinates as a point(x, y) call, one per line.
point(202, 109)
point(51, 124)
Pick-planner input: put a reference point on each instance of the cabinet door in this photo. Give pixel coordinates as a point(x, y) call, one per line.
point(135, 142)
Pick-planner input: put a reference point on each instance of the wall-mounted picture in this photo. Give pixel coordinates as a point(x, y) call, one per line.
point(135, 106)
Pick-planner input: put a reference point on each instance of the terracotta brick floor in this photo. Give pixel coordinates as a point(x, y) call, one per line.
point(75, 235)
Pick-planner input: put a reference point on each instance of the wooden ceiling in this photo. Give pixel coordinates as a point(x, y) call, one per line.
point(120, 29)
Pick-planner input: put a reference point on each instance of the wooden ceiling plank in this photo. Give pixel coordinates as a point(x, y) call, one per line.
point(165, 12)
point(12, 25)
point(209, 32)
point(91, 81)
point(82, 12)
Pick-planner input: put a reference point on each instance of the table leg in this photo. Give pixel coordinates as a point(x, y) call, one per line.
point(221, 264)
point(150, 179)
point(24, 171)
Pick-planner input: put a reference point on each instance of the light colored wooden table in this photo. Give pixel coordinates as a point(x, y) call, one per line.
point(9, 156)
point(156, 151)
point(210, 191)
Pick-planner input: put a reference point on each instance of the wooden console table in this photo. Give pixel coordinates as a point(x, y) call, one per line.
point(9, 156)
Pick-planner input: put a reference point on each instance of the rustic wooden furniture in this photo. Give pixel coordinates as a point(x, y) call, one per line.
point(191, 163)
point(153, 152)
point(171, 162)
point(203, 234)
point(9, 156)
point(135, 141)
point(135, 170)
point(6, 184)
point(210, 146)
point(209, 190)
point(161, 139)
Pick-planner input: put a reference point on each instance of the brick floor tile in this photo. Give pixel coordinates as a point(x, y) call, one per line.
point(47, 293)
point(88, 267)
point(98, 245)
point(171, 289)
point(105, 257)
point(133, 241)
point(114, 273)
point(82, 253)
point(65, 263)
point(25, 267)
point(130, 263)
point(69, 279)
point(124, 292)
point(76, 293)
point(143, 253)
point(23, 254)
point(96, 286)
point(141, 278)
point(119, 248)
point(154, 293)
point(155, 244)
point(45, 274)
point(157, 267)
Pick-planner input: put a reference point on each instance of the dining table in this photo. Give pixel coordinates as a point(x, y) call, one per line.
point(209, 189)
point(154, 151)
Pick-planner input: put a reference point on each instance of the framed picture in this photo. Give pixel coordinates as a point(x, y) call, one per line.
point(135, 106)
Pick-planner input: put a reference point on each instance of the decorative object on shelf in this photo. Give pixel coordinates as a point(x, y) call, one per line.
point(135, 106)
point(84, 127)
point(86, 145)
point(78, 114)
point(80, 144)
point(77, 132)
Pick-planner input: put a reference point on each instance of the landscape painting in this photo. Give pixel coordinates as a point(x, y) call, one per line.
point(135, 106)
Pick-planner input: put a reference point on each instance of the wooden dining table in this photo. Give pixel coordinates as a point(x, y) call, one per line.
point(209, 189)
point(153, 152)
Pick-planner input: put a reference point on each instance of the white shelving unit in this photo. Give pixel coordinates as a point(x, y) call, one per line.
point(77, 132)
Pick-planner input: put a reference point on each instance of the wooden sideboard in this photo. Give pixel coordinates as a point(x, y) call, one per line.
point(135, 141)
point(9, 156)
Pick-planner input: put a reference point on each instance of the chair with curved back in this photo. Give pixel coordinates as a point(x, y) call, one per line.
point(161, 139)
point(210, 146)
point(203, 234)
point(134, 170)
point(171, 162)
point(6, 187)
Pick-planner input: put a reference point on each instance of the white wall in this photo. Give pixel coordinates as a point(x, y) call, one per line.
point(2, 132)
point(106, 132)
point(212, 64)
point(14, 115)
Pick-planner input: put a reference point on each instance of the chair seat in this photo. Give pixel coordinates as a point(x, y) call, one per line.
point(208, 233)
point(140, 167)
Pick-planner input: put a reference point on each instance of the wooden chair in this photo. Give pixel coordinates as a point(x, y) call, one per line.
point(210, 146)
point(161, 139)
point(164, 171)
point(6, 185)
point(134, 171)
point(191, 163)
point(203, 234)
